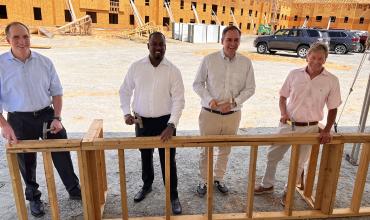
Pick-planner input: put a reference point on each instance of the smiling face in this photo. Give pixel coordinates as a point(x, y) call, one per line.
point(231, 42)
point(157, 47)
point(316, 60)
point(19, 40)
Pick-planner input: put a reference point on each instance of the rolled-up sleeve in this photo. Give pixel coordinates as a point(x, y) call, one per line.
point(126, 90)
point(177, 96)
point(199, 84)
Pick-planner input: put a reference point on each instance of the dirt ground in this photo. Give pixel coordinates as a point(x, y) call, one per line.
point(92, 69)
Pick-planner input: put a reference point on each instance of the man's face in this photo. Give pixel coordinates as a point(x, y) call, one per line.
point(19, 39)
point(316, 60)
point(157, 47)
point(231, 42)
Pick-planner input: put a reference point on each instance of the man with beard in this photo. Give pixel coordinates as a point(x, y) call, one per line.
point(31, 93)
point(158, 103)
point(225, 80)
point(307, 90)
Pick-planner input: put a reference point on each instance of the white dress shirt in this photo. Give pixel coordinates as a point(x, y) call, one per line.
point(28, 86)
point(157, 90)
point(222, 79)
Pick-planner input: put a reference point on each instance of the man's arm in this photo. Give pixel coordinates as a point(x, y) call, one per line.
point(325, 136)
point(7, 131)
point(199, 84)
point(125, 94)
point(283, 112)
point(178, 104)
point(249, 89)
point(56, 124)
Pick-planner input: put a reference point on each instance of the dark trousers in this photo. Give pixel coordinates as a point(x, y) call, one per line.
point(154, 127)
point(28, 126)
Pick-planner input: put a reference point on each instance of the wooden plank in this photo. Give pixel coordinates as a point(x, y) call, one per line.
point(322, 176)
point(332, 176)
point(309, 200)
point(36, 145)
point(99, 180)
point(293, 167)
point(50, 181)
point(361, 175)
point(94, 182)
point(311, 170)
point(94, 130)
point(279, 215)
point(167, 185)
point(233, 140)
point(17, 186)
point(88, 210)
point(122, 175)
point(103, 167)
point(210, 184)
point(251, 179)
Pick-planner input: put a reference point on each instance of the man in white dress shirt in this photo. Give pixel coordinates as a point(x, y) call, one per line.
point(158, 102)
point(225, 80)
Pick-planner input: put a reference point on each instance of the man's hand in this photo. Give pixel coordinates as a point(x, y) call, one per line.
point(284, 118)
point(129, 119)
point(56, 126)
point(225, 107)
point(213, 104)
point(167, 133)
point(325, 136)
point(8, 133)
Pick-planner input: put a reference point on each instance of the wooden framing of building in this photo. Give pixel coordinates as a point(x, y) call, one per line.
point(353, 14)
point(91, 163)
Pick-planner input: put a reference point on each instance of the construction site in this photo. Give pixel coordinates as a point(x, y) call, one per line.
point(248, 15)
point(92, 44)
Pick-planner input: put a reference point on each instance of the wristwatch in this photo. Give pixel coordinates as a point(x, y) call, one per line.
point(171, 125)
point(57, 118)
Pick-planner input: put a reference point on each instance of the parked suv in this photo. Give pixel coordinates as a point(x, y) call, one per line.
point(296, 39)
point(363, 35)
point(342, 41)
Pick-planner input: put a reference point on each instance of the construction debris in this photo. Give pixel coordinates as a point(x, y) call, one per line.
point(141, 32)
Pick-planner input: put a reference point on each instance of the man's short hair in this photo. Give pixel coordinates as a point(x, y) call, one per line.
point(156, 33)
point(14, 23)
point(230, 28)
point(318, 46)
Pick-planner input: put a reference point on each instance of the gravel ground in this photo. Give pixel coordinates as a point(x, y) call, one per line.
point(92, 69)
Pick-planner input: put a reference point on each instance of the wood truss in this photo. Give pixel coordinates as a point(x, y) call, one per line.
point(141, 31)
point(92, 169)
point(81, 26)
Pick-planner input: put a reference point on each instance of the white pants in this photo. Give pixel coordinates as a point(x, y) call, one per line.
point(276, 153)
point(214, 124)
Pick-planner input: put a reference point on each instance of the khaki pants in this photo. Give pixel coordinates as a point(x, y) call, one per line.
point(276, 153)
point(215, 124)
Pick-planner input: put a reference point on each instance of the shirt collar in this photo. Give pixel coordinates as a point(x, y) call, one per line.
point(12, 57)
point(323, 72)
point(164, 61)
point(226, 58)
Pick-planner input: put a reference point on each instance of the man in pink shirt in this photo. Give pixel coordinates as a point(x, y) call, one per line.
point(307, 90)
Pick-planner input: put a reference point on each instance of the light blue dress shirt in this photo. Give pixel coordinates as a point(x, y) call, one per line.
point(29, 86)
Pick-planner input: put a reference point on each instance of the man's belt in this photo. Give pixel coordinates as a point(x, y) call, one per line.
point(35, 113)
point(295, 123)
point(218, 112)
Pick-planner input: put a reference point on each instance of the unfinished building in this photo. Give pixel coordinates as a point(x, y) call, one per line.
point(247, 14)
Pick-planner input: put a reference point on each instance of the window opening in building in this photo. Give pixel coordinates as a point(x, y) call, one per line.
point(362, 19)
point(113, 18)
point(318, 18)
point(3, 12)
point(146, 19)
point(132, 19)
point(37, 13)
point(92, 16)
point(67, 16)
point(147, 2)
point(204, 7)
point(345, 19)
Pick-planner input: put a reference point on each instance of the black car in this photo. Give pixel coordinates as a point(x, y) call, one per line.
point(342, 41)
point(296, 39)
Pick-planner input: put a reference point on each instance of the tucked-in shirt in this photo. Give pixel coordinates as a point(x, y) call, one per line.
point(223, 79)
point(28, 86)
point(157, 90)
point(307, 97)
